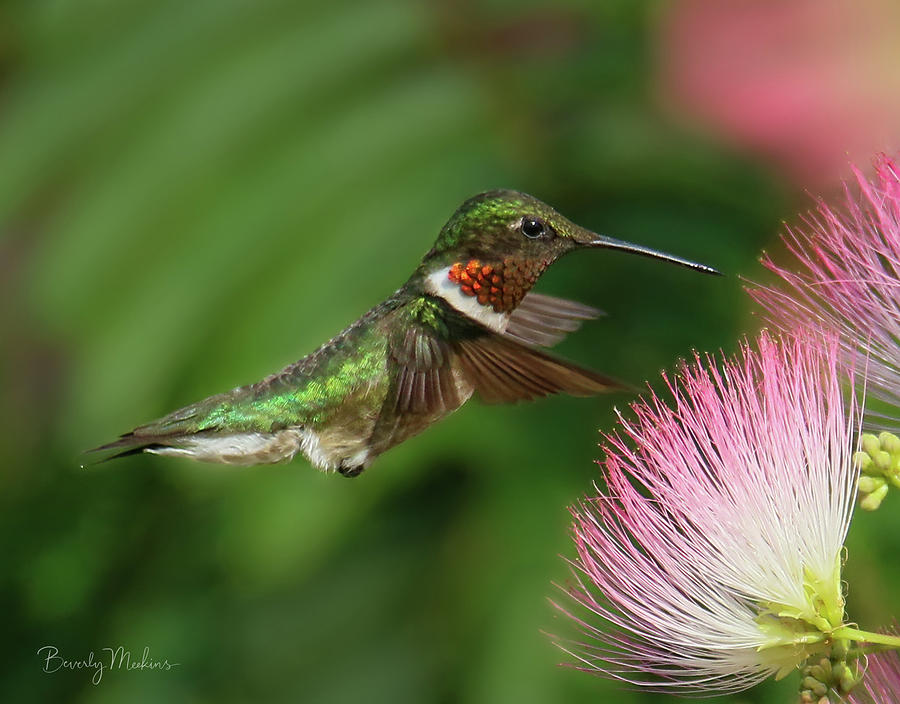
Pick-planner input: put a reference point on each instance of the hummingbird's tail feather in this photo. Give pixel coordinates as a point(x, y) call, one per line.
point(127, 444)
point(235, 448)
point(167, 435)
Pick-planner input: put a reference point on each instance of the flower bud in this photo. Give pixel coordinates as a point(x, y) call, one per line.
point(862, 460)
point(882, 461)
point(869, 443)
point(889, 442)
point(867, 483)
point(845, 676)
point(820, 671)
point(811, 684)
point(871, 502)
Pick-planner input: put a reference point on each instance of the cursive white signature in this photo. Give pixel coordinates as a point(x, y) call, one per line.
point(112, 659)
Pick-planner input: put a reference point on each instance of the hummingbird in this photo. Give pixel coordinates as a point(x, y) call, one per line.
point(466, 322)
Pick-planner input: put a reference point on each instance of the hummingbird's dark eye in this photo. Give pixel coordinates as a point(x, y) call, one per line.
point(533, 228)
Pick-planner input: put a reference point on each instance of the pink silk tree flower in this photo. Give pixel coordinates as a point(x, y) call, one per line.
point(881, 682)
point(800, 83)
point(713, 559)
point(847, 278)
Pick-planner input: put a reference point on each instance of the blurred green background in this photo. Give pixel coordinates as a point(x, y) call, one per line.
point(193, 195)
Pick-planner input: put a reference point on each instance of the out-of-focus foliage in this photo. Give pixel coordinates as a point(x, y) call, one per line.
point(194, 194)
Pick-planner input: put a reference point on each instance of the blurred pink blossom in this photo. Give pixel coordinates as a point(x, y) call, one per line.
point(713, 560)
point(847, 278)
point(881, 682)
point(805, 83)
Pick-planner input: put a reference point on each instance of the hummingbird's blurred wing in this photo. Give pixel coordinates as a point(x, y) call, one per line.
point(503, 370)
point(424, 383)
point(440, 353)
point(545, 320)
point(439, 356)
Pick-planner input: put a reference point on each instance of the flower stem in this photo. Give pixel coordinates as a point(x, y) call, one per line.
point(866, 636)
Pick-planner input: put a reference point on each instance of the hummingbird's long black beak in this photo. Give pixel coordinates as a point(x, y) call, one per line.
point(611, 243)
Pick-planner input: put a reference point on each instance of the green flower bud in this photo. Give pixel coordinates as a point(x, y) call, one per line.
point(819, 672)
point(811, 684)
point(871, 502)
point(846, 677)
point(883, 461)
point(889, 442)
point(867, 483)
point(840, 649)
point(869, 443)
point(862, 460)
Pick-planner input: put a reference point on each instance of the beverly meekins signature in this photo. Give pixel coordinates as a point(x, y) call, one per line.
point(111, 659)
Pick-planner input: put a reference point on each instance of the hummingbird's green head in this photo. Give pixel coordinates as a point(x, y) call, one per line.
point(497, 244)
point(506, 224)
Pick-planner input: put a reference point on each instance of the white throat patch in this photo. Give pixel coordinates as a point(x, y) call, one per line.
point(438, 283)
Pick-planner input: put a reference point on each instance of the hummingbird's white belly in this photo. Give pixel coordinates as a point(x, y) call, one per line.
point(245, 449)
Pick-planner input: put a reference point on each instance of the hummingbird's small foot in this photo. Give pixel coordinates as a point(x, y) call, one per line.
point(350, 471)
